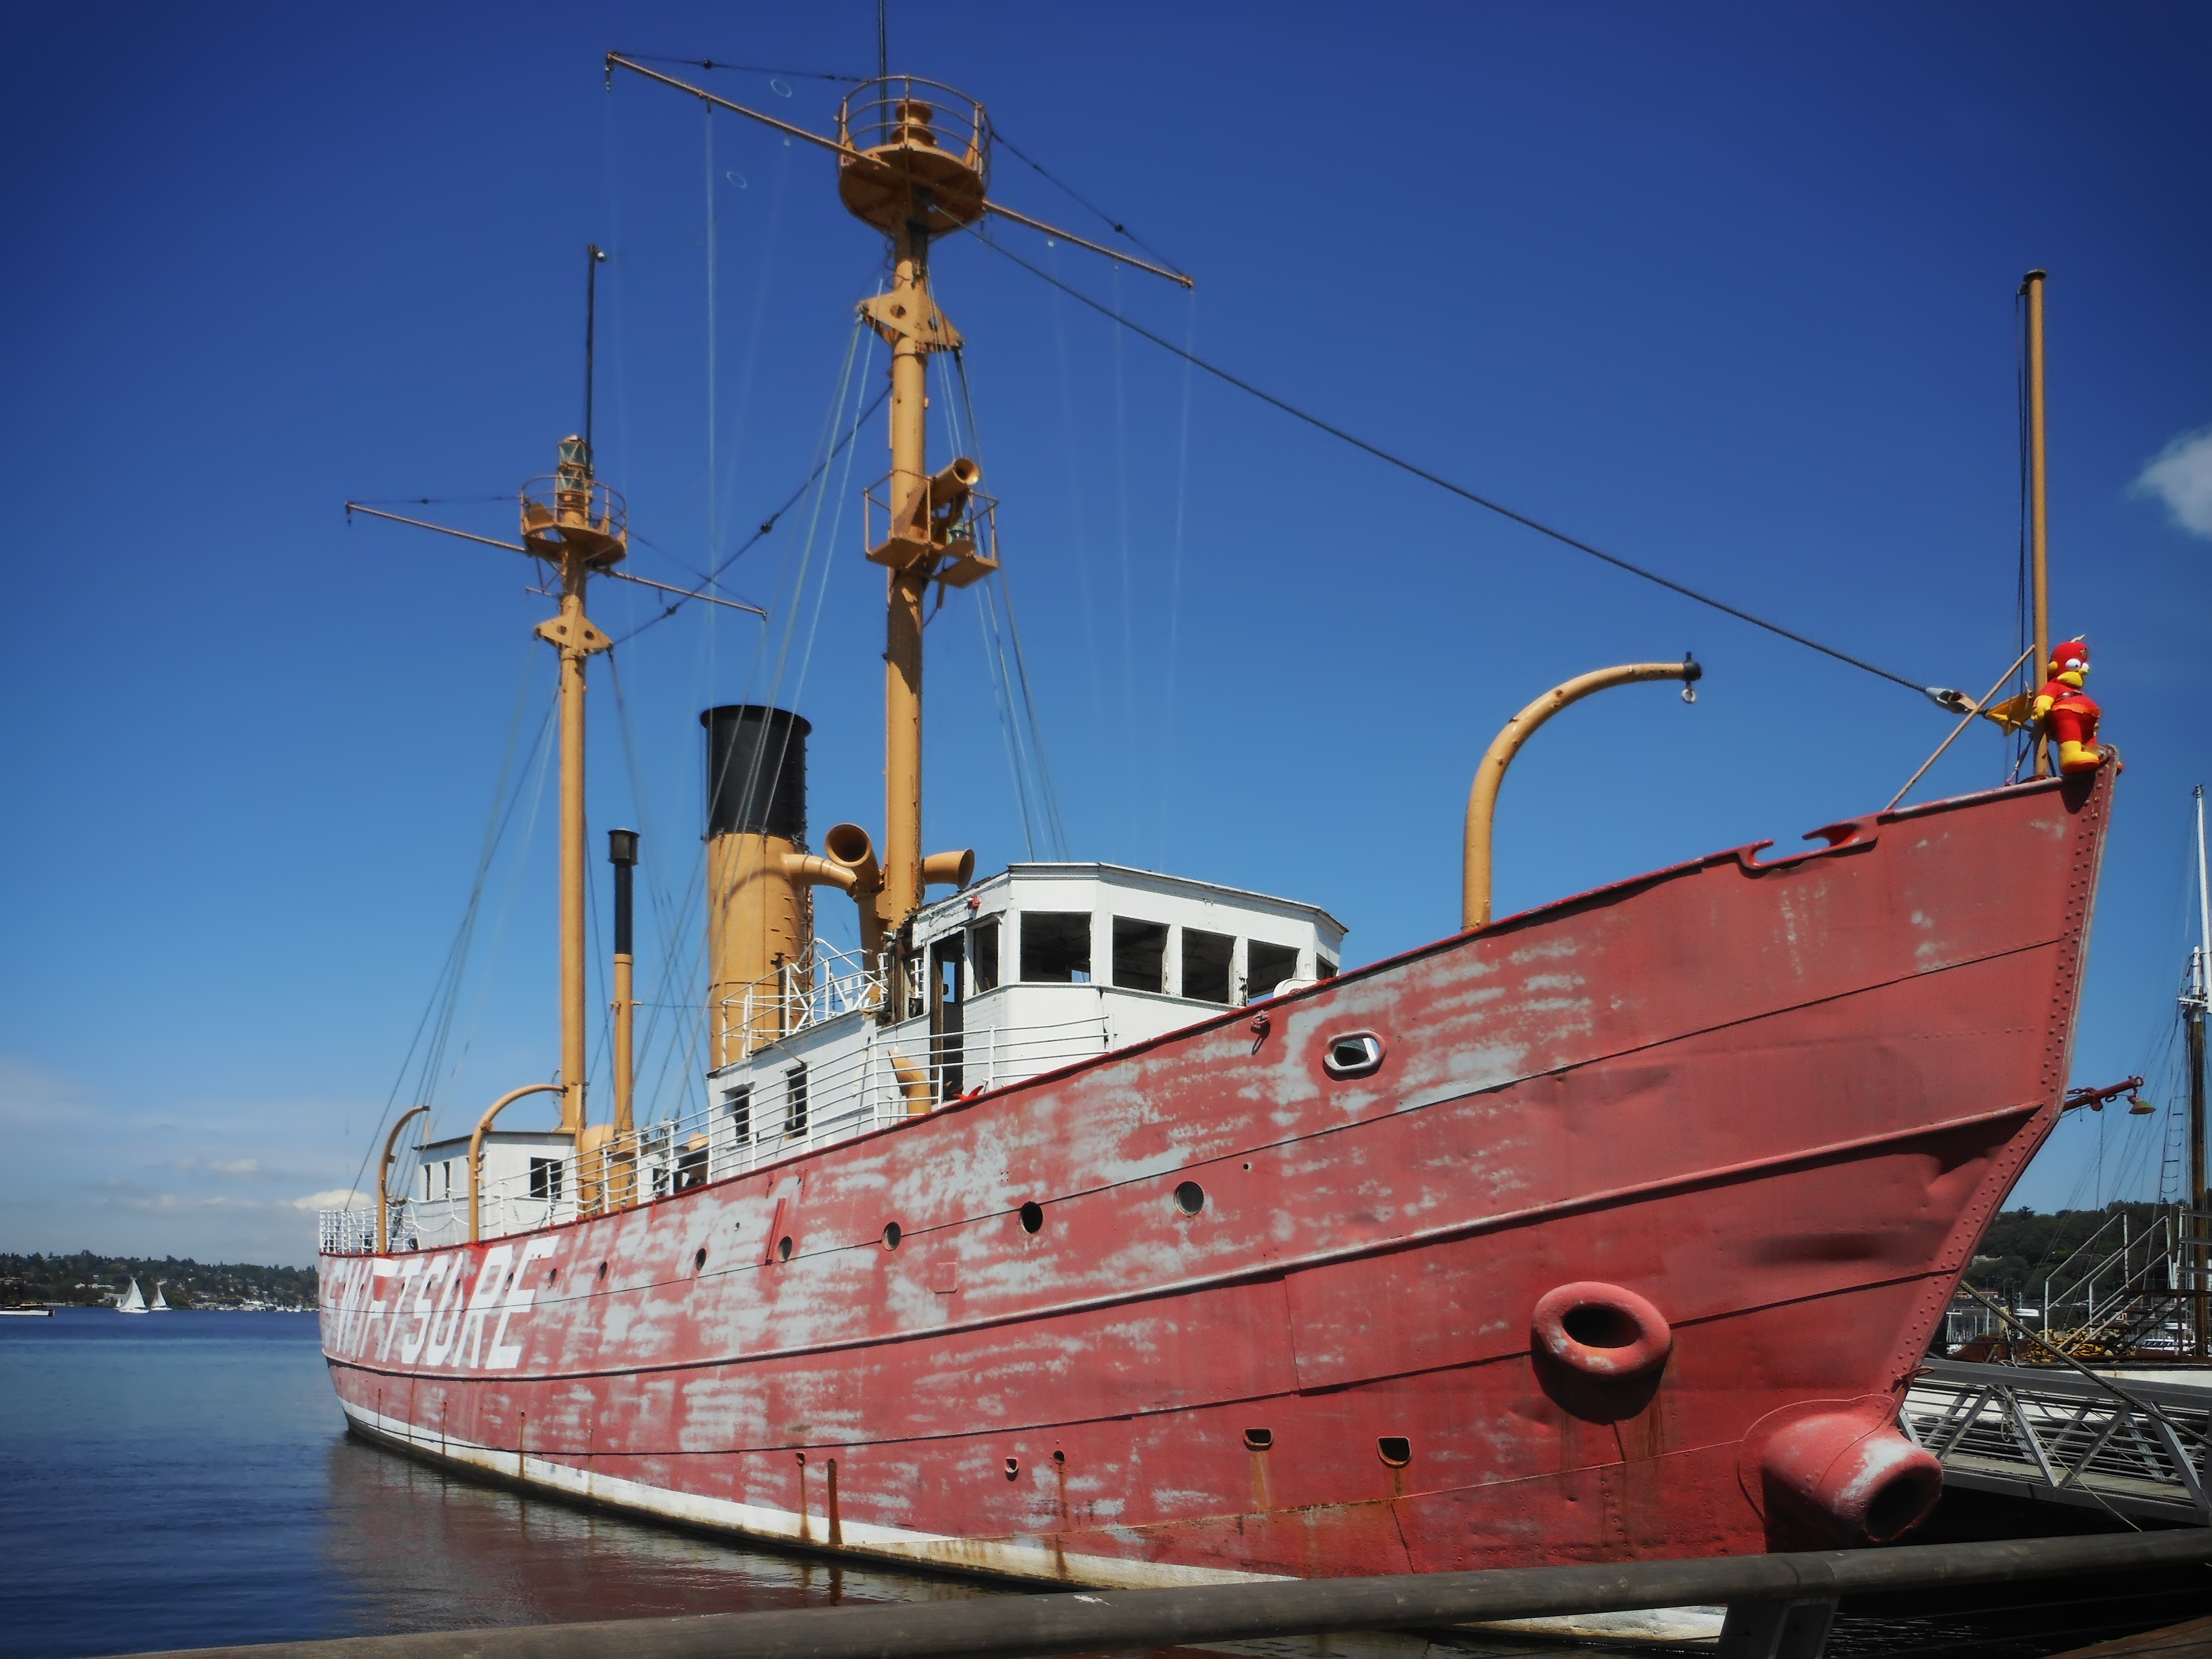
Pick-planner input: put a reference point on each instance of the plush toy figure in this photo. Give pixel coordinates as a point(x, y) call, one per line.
point(2068, 713)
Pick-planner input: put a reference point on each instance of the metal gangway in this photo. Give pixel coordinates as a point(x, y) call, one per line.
point(2055, 1436)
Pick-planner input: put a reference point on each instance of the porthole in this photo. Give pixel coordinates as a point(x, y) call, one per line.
point(552, 1275)
point(1032, 1217)
point(1059, 1457)
point(892, 1235)
point(603, 1273)
point(1395, 1450)
point(699, 1259)
point(783, 1248)
point(1190, 1198)
point(1013, 1468)
point(1259, 1439)
point(1353, 1054)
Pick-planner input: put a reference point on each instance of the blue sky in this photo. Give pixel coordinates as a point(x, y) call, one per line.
point(1728, 289)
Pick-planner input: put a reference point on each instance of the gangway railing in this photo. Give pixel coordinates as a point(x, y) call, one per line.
point(2120, 1301)
point(2056, 1436)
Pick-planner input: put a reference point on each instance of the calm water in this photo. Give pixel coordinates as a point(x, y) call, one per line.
point(185, 1480)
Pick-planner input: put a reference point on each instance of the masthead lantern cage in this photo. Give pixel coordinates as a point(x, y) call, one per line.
point(916, 152)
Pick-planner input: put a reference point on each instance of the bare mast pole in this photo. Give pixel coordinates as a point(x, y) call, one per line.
point(901, 855)
point(2038, 531)
point(2193, 1009)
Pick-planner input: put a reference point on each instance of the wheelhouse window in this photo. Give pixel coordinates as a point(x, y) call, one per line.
point(794, 1100)
point(692, 1165)
point(983, 955)
point(1205, 962)
point(1056, 947)
point(1267, 966)
point(545, 1178)
point(738, 1112)
point(1141, 955)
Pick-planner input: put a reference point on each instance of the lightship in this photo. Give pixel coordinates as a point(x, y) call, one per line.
point(1099, 1225)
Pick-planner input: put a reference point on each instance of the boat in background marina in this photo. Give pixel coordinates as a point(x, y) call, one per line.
point(1099, 1225)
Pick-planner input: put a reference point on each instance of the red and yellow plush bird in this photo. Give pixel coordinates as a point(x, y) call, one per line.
point(2068, 714)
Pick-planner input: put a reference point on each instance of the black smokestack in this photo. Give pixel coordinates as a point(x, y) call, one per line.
point(756, 771)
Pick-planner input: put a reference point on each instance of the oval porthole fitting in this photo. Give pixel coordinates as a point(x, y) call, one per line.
point(892, 1235)
point(1032, 1217)
point(699, 1259)
point(1395, 1450)
point(783, 1248)
point(1353, 1054)
point(603, 1273)
point(1190, 1198)
point(1259, 1439)
point(1013, 1468)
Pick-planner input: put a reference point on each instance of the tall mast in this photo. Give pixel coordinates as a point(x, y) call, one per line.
point(2193, 1009)
point(579, 526)
point(2038, 531)
point(915, 162)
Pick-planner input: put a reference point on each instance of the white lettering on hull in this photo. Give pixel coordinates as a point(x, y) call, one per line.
point(435, 1314)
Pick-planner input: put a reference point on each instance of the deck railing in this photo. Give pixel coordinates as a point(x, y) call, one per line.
point(782, 1113)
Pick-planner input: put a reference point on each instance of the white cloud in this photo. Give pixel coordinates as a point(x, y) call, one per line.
point(2181, 477)
point(335, 1198)
point(236, 1166)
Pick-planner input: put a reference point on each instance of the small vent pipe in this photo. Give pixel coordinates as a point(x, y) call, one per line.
point(621, 853)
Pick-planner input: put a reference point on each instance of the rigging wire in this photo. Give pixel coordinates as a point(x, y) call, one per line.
point(713, 448)
point(1175, 578)
point(768, 525)
point(745, 69)
point(1461, 490)
point(1003, 695)
point(1054, 825)
point(669, 919)
point(1000, 141)
point(544, 755)
point(429, 500)
point(1129, 727)
point(440, 1007)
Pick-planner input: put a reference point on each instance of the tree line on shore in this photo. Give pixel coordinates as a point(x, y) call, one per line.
point(88, 1279)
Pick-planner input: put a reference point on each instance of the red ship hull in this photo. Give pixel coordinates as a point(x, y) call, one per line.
point(1778, 1103)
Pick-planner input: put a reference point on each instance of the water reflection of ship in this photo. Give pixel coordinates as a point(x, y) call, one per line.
point(422, 1549)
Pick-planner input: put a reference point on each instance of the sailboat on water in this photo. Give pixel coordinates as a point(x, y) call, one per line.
point(159, 1304)
point(133, 1301)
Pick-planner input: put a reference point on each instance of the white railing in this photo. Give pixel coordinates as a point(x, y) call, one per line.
point(785, 1111)
point(345, 1232)
point(796, 996)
